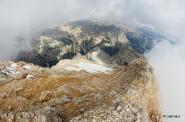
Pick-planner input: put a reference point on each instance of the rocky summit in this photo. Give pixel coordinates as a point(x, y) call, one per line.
point(82, 71)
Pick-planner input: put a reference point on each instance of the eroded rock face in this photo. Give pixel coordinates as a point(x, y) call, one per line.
point(143, 38)
point(66, 40)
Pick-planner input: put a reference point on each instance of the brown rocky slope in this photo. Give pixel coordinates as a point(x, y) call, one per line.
point(29, 93)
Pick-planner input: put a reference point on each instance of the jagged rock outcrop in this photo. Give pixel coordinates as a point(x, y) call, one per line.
point(143, 38)
point(66, 40)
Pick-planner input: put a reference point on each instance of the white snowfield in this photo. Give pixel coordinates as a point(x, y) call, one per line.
point(81, 63)
point(92, 68)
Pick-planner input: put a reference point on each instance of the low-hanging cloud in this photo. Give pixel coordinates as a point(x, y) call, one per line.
point(168, 61)
point(20, 20)
point(24, 18)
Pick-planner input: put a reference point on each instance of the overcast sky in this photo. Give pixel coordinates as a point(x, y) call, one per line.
point(24, 18)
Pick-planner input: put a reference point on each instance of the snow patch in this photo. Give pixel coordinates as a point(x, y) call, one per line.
point(92, 68)
point(81, 63)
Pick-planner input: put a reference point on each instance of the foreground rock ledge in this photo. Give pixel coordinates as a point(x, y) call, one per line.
point(33, 94)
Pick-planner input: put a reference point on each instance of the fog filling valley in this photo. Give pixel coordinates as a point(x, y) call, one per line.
point(21, 20)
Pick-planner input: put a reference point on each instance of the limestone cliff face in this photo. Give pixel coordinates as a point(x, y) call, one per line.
point(66, 40)
point(126, 94)
point(143, 38)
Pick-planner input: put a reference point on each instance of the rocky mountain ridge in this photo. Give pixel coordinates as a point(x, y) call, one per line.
point(66, 40)
point(127, 93)
point(81, 72)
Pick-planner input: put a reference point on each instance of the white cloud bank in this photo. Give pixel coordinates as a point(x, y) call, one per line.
point(168, 62)
point(23, 18)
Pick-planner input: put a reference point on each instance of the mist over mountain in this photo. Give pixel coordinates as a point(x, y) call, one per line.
point(154, 28)
point(117, 44)
point(24, 19)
